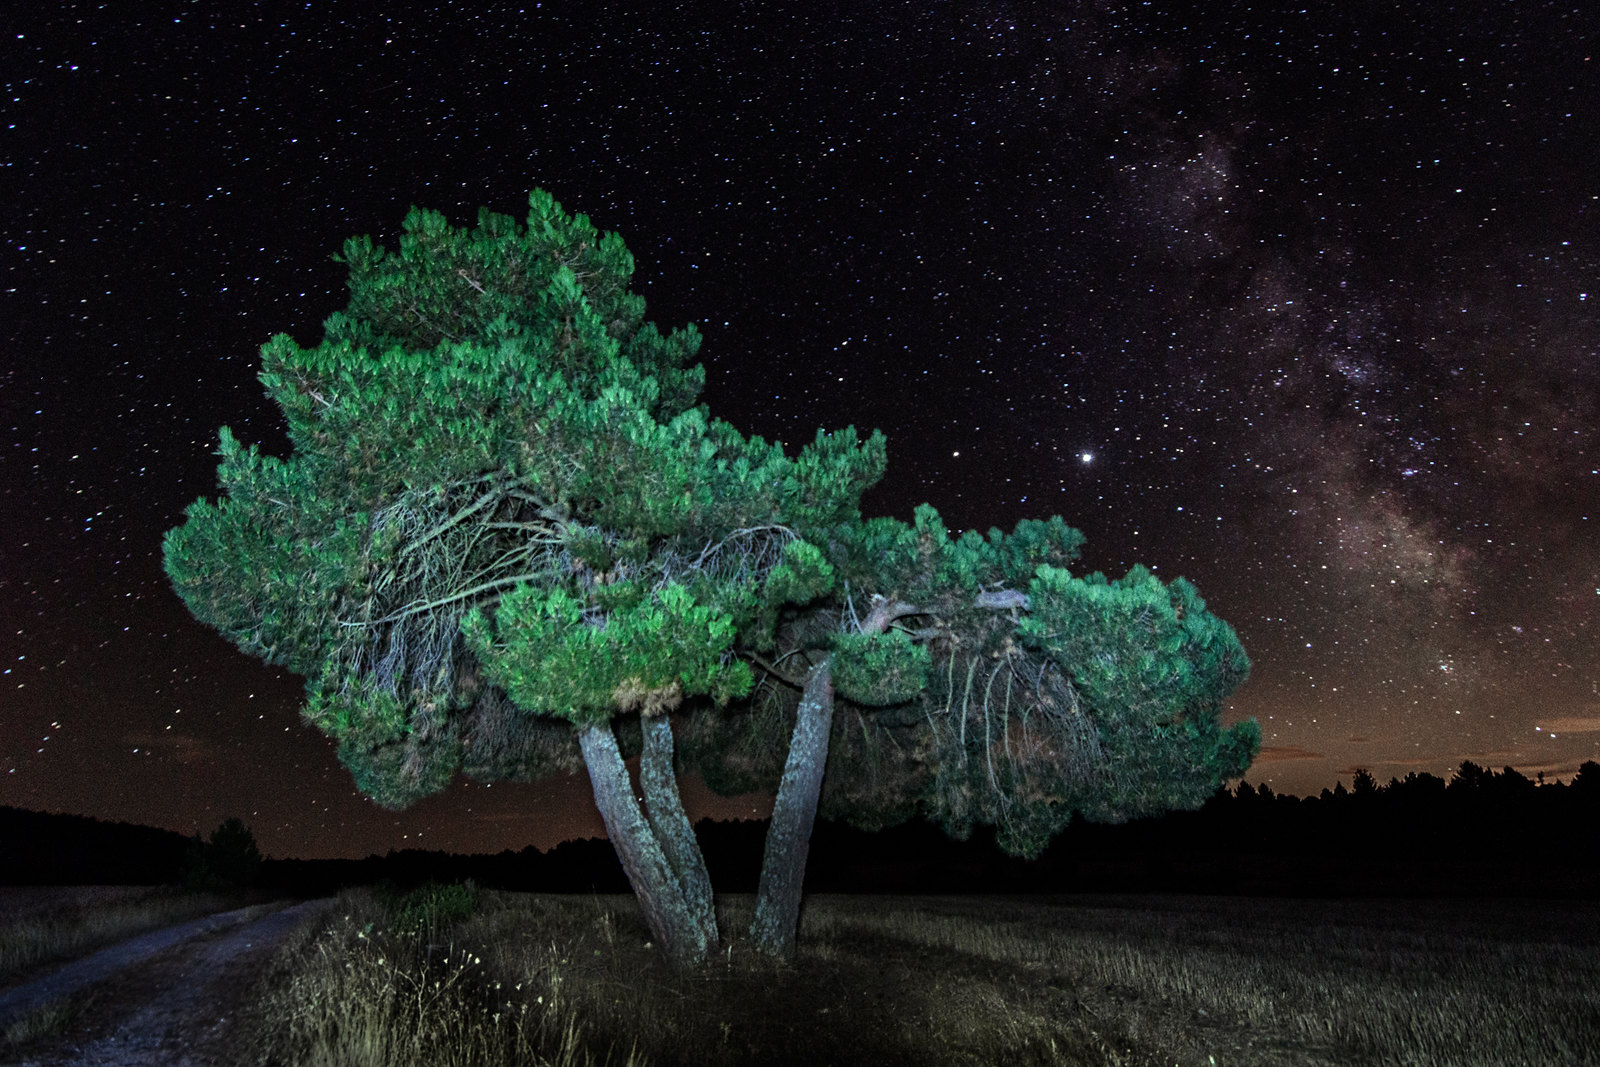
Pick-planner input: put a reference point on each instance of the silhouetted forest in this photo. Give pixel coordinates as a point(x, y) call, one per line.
point(1479, 833)
point(37, 848)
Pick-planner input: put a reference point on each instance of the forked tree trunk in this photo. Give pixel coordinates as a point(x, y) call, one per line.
point(783, 869)
point(666, 909)
point(664, 808)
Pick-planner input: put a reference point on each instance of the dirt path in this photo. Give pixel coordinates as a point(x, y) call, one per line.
point(160, 1000)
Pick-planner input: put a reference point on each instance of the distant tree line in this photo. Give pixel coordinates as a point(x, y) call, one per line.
point(1478, 829)
point(1473, 801)
point(1477, 832)
point(1470, 783)
point(45, 848)
point(229, 859)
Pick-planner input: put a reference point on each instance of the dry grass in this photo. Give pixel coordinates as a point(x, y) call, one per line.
point(1186, 980)
point(975, 980)
point(40, 927)
point(46, 1021)
point(366, 987)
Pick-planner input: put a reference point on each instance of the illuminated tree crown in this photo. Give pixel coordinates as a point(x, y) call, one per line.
point(505, 525)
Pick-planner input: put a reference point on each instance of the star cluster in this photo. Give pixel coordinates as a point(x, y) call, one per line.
point(1299, 304)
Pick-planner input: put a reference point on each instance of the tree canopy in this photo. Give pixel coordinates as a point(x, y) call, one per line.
point(505, 526)
point(491, 422)
point(1016, 695)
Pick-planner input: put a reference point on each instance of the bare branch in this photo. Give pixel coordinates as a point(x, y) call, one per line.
point(1002, 599)
point(453, 598)
point(492, 496)
point(772, 669)
point(885, 611)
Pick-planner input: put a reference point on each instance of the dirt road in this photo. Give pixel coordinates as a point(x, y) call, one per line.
point(167, 999)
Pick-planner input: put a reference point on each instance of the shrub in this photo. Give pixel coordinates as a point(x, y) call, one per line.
point(430, 907)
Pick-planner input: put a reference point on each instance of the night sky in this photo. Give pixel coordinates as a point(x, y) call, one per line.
point(1300, 304)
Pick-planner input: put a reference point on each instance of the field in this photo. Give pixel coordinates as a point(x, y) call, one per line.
point(45, 925)
point(454, 977)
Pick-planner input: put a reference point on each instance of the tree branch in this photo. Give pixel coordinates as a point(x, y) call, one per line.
point(417, 609)
point(885, 611)
point(772, 669)
point(1002, 599)
point(492, 496)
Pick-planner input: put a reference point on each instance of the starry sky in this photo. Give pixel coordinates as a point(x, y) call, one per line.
point(1299, 303)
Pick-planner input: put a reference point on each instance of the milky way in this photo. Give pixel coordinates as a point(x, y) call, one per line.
point(1297, 304)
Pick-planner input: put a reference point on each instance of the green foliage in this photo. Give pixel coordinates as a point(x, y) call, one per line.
point(555, 283)
point(1009, 692)
point(428, 908)
point(1137, 649)
point(268, 564)
point(880, 669)
point(1013, 694)
point(366, 424)
point(1154, 667)
point(551, 659)
point(504, 515)
point(397, 775)
point(801, 577)
point(1033, 544)
point(398, 747)
point(491, 417)
point(921, 563)
point(364, 712)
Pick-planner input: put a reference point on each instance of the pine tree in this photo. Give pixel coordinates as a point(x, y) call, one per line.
point(984, 684)
point(230, 859)
point(505, 526)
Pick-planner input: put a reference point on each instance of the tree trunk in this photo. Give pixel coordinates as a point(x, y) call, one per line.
point(783, 869)
point(664, 808)
point(666, 910)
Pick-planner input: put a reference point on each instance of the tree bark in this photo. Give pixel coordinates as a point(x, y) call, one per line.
point(783, 868)
point(664, 808)
point(666, 910)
